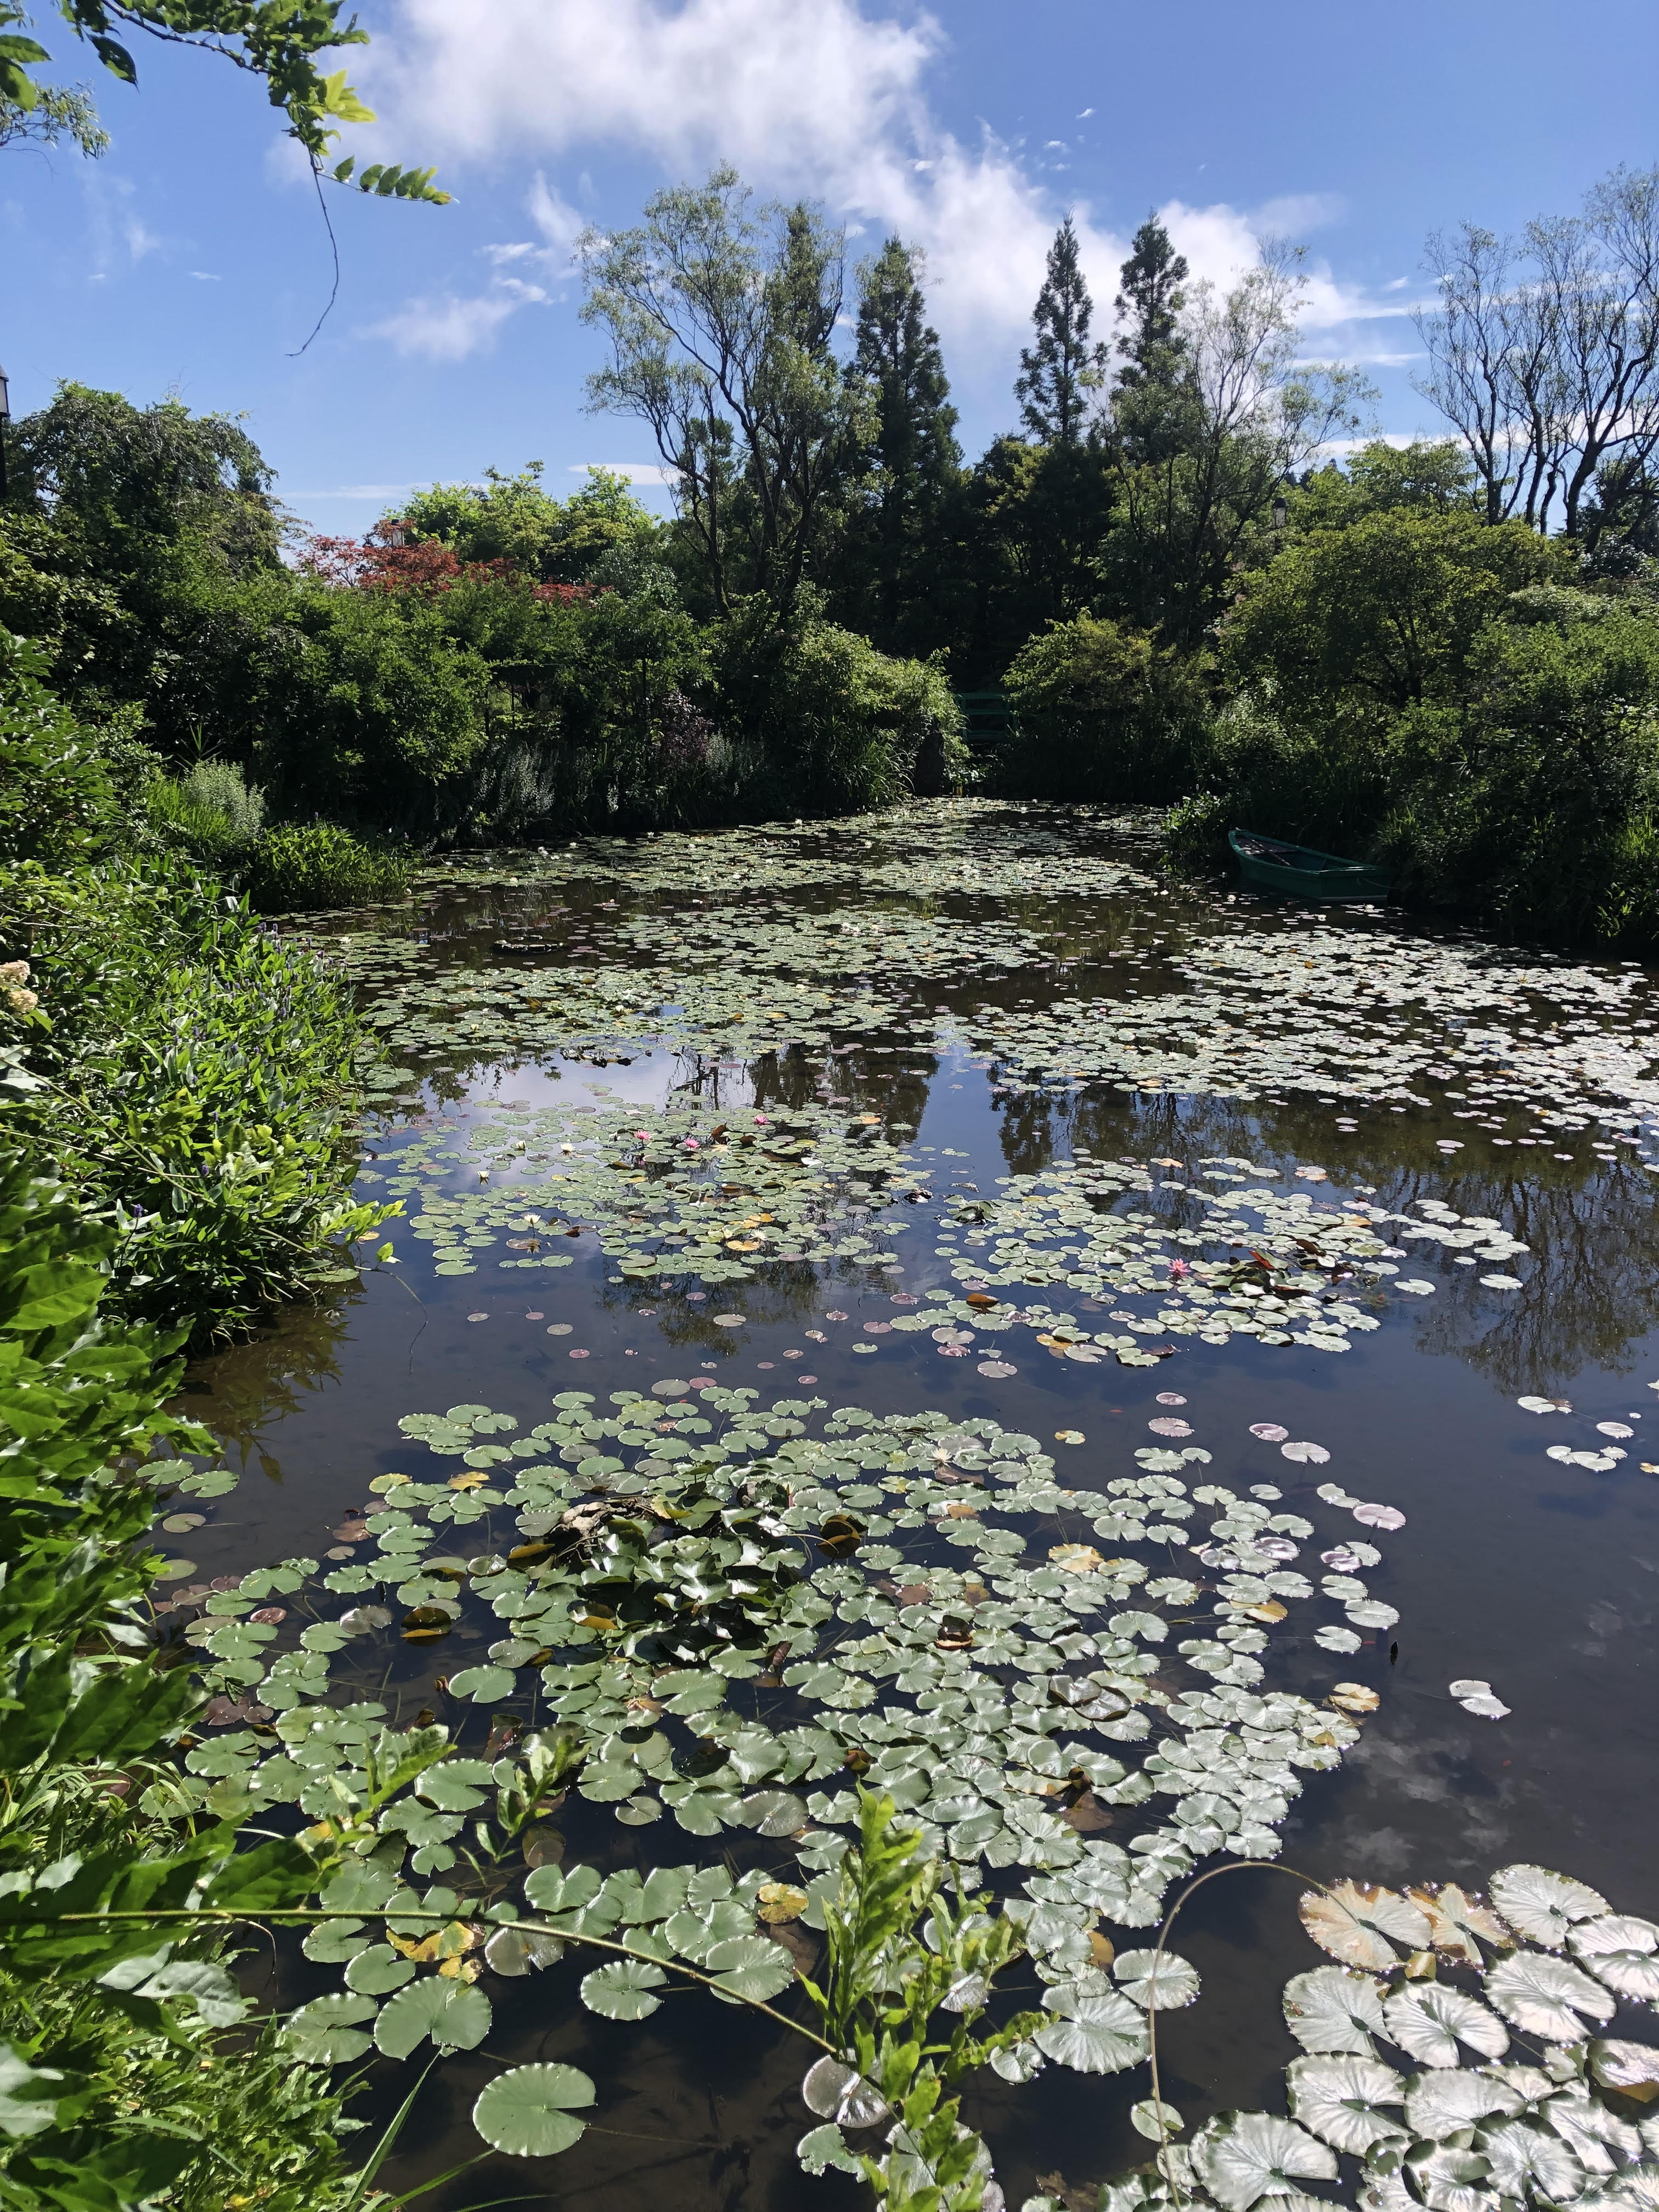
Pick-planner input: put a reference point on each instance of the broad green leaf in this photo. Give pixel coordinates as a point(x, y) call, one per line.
point(1441, 2103)
point(1097, 2033)
point(1542, 1996)
point(378, 1970)
point(1359, 1923)
point(620, 1989)
point(749, 1967)
point(1429, 2019)
point(454, 2014)
point(1339, 2096)
point(1334, 2009)
point(325, 2033)
point(1242, 2157)
point(1622, 1951)
point(513, 1950)
point(483, 1684)
point(1155, 1983)
point(527, 2113)
point(1541, 1906)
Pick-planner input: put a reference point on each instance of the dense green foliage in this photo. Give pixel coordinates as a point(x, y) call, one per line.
point(491, 661)
point(319, 864)
point(1407, 682)
point(126, 2062)
point(188, 1074)
point(1105, 712)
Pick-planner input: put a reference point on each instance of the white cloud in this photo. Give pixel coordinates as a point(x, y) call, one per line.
point(119, 233)
point(804, 85)
point(813, 95)
point(449, 328)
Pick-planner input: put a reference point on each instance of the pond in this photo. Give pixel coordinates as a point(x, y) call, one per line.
point(1158, 1305)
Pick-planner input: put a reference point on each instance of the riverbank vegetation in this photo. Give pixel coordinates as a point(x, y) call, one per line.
point(1443, 656)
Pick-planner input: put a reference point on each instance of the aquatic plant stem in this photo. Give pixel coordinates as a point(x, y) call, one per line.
point(1233, 1866)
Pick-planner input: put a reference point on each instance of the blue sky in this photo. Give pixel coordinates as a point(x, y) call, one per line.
point(192, 257)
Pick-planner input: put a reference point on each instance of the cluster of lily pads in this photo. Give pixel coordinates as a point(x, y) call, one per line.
point(677, 1196)
point(1514, 2094)
point(870, 1585)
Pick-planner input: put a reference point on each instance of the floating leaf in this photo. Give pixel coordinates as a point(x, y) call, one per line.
point(620, 1989)
point(1242, 2157)
point(1620, 1951)
point(454, 2014)
point(774, 1812)
point(325, 2033)
point(378, 1970)
point(1304, 1454)
point(1542, 1906)
point(1544, 1995)
point(1429, 2019)
point(1632, 2067)
point(513, 1950)
point(749, 1967)
point(838, 2091)
point(1443, 2103)
point(1339, 2100)
point(1155, 1983)
point(483, 1685)
point(1332, 2009)
point(1459, 1925)
point(777, 1902)
point(1097, 2033)
point(526, 2112)
point(1354, 1921)
point(1155, 2120)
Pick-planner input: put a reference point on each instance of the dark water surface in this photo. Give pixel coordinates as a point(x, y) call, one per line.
point(1539, 1576)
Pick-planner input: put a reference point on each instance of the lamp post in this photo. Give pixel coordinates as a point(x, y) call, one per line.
point(5, 417)
point(1281, 510)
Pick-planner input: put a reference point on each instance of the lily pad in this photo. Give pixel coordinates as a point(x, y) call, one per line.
point(528, 2111)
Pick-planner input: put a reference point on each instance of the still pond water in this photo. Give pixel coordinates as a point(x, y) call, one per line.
point(1207, 1166)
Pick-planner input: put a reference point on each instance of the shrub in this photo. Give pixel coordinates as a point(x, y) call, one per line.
point(210, 809)
point(837, 726)
point(319, 864)
point(115, 2098)
point(1385, 613)
point(185, 1070)
point(1532, 801)
point(1252, 770)
point(1102, 712)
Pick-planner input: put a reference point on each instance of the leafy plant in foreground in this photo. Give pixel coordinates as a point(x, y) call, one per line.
point(884, 1986)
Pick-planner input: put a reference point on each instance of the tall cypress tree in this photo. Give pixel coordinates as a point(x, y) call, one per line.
point(915, 459)
point(1153, 400)
point(1058, 373)
point(1148, 308)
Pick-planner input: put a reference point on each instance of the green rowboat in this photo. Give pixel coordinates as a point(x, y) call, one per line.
point(1271, 865)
